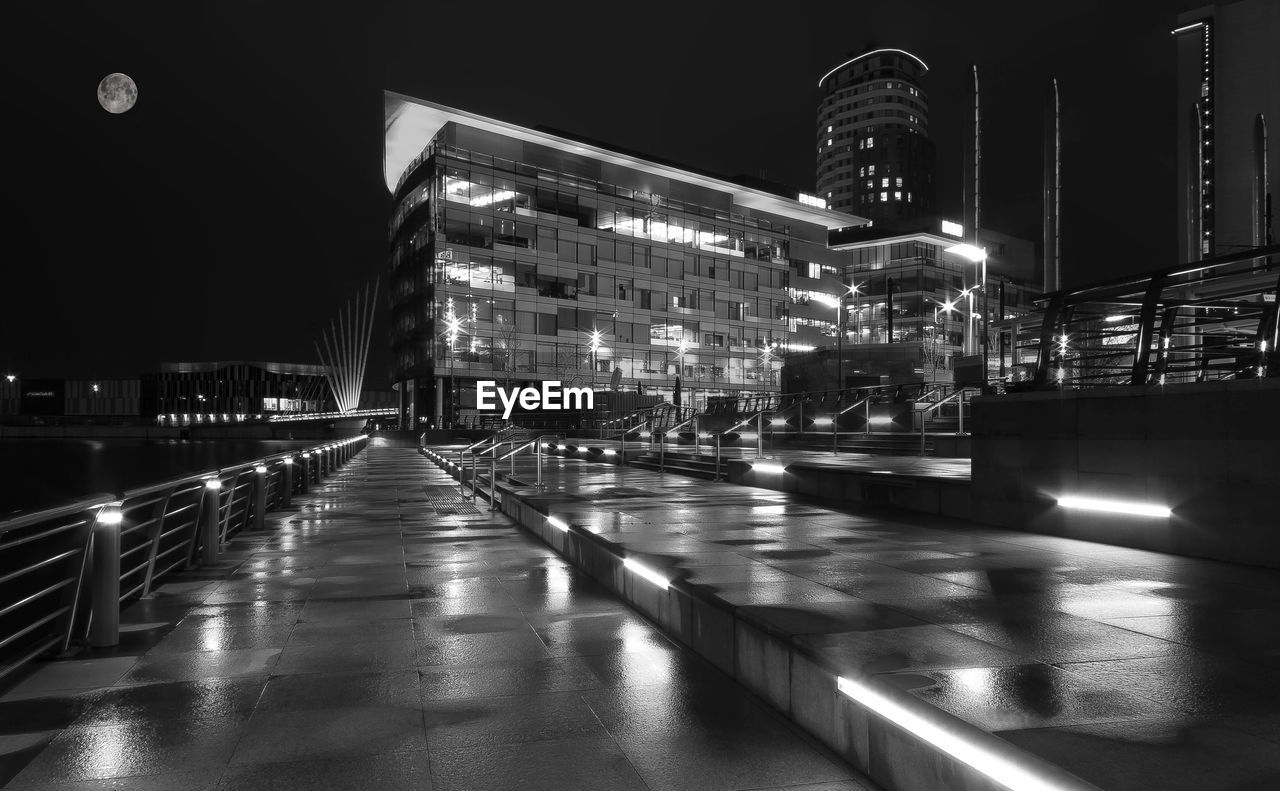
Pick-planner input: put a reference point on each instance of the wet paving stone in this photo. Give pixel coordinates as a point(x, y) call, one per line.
point(368, 642)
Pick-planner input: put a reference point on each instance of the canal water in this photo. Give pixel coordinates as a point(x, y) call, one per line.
point(40, 473)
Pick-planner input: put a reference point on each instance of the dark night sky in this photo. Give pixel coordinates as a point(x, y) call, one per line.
point(240, 203)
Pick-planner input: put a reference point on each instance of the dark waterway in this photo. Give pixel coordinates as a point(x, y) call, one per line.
point(39, 473)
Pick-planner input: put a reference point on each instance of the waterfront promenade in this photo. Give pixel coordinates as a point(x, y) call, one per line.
point(1131, 669)
point(386, 634)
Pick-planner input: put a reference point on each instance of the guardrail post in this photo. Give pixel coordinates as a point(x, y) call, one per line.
point(717, 457)
point(538, 450)
point(662, 452)
point(104, 624)
point(835, 433)
point(304, 483)
point(921, 413)
point(800, 424)
point(260, 497)
point(493, 483)
point(961, 411)
point(209, 513)
point(759, 435)
point(868, 413)
point(286, 485)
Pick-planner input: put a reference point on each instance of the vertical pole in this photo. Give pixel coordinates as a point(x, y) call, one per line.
point(286, 488)
point(921, 413)
point(105, 623)
point(493, 483)
point(538, 450)
point(759, 434)
point(801, 422)
point(961, 411)
point(305, 480)
point(662, 452)
point(260, 497)
point(209, 521)
point(867, 403)
point(835, 432)
point(717, 457)
point(462, 480)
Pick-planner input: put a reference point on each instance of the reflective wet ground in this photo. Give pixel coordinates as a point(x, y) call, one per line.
point(390, 636)
point(1132, 669)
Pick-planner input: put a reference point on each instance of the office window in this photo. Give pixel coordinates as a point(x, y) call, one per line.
point(884, 197)
point(899, 180)
point(884, 182)
point(897, 195)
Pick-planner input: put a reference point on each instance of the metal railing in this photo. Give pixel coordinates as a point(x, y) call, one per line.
point(65, 572)
point(1205, 321)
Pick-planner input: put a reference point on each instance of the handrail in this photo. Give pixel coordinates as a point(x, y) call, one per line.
point(134, 538)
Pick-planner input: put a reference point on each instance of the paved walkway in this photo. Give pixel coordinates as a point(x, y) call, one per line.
point(388, 635)
point(1132, 669)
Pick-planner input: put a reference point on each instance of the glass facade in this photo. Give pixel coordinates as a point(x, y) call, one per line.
point(517, 262)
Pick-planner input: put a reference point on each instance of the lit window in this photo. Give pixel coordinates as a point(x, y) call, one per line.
point(871, 170)
point(908, 197)
point(884, 197)
point(871, 142)
point(862, 171)
point(862, 144)
point(871, 184)
point(828, 141)
point(884, 182)
point(899, 184)
point(897, 195)
point(828, 129)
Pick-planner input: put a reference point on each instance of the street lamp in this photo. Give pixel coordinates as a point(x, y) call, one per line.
point(595, 354)
point(855, 290)
point(977, 255)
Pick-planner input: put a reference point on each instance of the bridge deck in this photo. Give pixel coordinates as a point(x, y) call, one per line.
point(389, 635)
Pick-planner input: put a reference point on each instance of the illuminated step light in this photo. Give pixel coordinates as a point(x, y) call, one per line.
point(881, 421)
point(1114, 319)
point(703, 435)
point(261, 469)
point(1114, 506)
point(545, 445)
point(610, 452)
point(557, 524)
point(822, 421)
point(768, 467)
point(777, 422)
point(997, 767)
point(213, 484)
point(288, 460)
point(306, 455)
point(647, 573)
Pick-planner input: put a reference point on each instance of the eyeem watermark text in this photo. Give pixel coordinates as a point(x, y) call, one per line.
point(552, 396)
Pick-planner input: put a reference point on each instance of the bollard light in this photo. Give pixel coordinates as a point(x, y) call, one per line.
point(768, 467)
point(261, 469)
point(306, 455)
point(610, 452)
point(288, 460)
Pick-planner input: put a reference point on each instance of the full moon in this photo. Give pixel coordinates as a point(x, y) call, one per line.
point(117, 93)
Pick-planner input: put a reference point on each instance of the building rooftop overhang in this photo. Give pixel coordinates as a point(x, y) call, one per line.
point(411, 124)
point(857, 58)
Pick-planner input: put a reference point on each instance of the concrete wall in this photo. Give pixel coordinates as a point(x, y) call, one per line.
point(1210, 452)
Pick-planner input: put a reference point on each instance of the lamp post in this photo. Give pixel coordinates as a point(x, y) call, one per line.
point(977, 255)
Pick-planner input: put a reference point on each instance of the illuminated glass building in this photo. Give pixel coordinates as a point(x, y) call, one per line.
point(875, 158)
point(518, 256)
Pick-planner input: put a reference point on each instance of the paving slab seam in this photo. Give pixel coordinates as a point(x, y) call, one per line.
point(801, 683)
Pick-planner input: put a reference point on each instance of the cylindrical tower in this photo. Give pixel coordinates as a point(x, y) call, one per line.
point(875, 158)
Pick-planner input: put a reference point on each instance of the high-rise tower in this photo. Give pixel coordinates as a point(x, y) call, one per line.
point(875, 158)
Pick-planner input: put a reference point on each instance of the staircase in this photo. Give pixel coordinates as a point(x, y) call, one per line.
point(898, 444)
point(695, 465)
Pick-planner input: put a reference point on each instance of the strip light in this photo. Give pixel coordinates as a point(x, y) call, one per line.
point(768, 467)
point(647, 573)
point(1114, 506)
point(997, 767)
point(557, 524)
